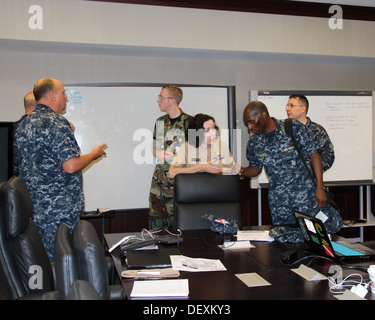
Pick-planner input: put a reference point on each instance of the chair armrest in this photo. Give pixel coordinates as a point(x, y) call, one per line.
point(116, 292)
point(111, 270)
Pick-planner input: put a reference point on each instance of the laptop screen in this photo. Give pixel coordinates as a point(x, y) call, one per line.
point(317, 238)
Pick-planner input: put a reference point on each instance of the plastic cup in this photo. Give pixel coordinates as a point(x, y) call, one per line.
point(371, 273)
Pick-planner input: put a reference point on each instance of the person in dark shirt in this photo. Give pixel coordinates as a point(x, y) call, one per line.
point(290, 187)
point(297, 108)
point(29, 104)
point(51, 162)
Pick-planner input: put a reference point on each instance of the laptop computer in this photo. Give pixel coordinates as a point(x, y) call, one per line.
point(150, 259)
point(318, 241)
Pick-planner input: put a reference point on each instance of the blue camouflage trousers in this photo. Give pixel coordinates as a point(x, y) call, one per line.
point(48, 228)
point(285, 200)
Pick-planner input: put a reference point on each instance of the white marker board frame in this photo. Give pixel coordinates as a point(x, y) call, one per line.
point(124, 115)
point(347, 117)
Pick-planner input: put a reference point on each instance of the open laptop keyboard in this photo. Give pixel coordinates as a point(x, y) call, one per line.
point(345, 251)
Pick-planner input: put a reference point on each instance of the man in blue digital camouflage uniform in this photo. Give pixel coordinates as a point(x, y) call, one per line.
point(290, 187)
point(29, 104)
point(297, 108)
point(51, 163)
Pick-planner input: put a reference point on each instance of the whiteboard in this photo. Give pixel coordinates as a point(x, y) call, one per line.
point(124, 117)
point(347, 117)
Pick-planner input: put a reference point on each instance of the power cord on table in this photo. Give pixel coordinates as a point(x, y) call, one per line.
point(360, 288)
point(357, 287)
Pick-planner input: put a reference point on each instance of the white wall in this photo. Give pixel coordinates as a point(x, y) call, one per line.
point(85, 41)
point(74, 21)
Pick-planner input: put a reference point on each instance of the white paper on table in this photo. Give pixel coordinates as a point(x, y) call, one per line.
point(309, 274)
point(254, 235)
point(160, 288)
point(348, 295)
point(183, 263)
point(236, 245)
point(252, 279)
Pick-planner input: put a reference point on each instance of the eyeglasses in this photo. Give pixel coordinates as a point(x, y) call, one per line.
point(293, 105)
point(163, 98)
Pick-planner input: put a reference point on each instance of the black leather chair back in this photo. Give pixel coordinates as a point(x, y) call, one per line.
point(65, 262)
point(24, 260)
point(82, 290)
point(79, 256)
point(92, 265)
point(203, 193)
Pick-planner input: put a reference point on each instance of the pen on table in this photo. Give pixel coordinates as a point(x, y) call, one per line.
point(190, 267)
point(148, 272)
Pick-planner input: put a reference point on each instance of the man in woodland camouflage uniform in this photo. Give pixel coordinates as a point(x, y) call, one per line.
point(51, 163)
point(290, 187)
point(169, 134)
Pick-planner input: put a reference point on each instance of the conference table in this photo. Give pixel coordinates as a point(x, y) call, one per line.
point(264, 259)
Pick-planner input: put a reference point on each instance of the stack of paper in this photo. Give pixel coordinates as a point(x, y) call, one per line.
point(160, 288)
point(184, 263)
point(254, 235)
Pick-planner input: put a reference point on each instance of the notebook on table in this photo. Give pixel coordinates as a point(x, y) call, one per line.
point(160, 288)
point(318, 241)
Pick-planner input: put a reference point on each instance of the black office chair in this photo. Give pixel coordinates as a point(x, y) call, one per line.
point(82, 290)
point(79, 256)
point(203, 193)
point(65, 265)
point(23, 257)
point(26, 268)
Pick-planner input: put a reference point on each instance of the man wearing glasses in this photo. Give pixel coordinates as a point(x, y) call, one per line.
point(297, 108)
point(169, 135)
